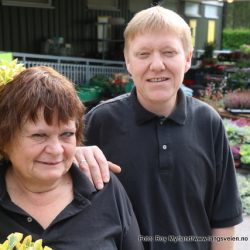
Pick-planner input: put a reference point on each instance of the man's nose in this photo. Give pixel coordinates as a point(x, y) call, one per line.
point(157, 63)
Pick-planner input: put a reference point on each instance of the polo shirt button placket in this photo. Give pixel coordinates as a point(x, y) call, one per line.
point(29, 219)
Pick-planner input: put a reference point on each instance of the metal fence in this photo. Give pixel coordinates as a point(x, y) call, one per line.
point(78, 70)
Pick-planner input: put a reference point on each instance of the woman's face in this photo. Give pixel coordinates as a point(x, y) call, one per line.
point(42, 153)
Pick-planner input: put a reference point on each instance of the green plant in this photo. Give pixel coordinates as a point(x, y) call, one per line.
point(245, 153)
point(245, 48)
point(13, 242)
point(238, 133)
point(208, 50)
point(234, 133)
point(8, 70)
point(234, 38)
point(207, 57)
point(112, 86)
point(244, 189)
point(239, 79)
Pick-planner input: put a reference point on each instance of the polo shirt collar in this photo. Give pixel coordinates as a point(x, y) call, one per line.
point(82, 186)
point(142, 115)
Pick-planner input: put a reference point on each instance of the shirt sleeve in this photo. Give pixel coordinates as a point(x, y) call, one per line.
point(227, 207)
point(131, 231)
point(129, 240)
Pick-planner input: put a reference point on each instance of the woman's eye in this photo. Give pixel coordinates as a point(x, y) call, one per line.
point(38, 137)
point(68, 134)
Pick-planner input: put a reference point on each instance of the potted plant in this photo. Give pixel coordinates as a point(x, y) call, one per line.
point(245, 156)
point(238, 133)
point(207, 57)
point(119, 83)
point(239, 76)
point(237, 101)
point(213, 95)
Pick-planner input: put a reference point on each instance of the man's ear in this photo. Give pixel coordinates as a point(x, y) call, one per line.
point(189, 60)
point(127, 61)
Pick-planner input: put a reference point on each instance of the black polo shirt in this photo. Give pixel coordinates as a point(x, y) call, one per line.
point(178, 171)
point(101, 220)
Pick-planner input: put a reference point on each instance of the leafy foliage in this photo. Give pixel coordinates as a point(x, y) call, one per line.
point(8, 70)
point(245, 48)
point(234, 38)
point(238, 133)
point(13, 242)
point(118, 84)
point(245, 153)
point(244, 189)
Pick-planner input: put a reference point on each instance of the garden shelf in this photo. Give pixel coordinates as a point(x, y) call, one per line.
point(239, 111)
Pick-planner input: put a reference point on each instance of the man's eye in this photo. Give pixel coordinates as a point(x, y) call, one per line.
point(169, 53)
point(143, 54)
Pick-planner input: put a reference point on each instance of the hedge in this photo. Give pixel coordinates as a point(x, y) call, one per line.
point(234, 38)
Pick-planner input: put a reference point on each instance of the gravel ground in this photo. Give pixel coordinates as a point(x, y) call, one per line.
point(243, 230)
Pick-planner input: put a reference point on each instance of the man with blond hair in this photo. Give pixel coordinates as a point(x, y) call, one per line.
point(176, 163)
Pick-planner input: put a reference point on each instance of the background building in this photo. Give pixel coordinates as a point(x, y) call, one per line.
point(94, 28)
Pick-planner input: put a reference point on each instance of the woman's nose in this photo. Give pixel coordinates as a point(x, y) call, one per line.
point(54, 146)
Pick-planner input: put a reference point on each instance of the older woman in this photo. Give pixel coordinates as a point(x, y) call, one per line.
point(42, 192)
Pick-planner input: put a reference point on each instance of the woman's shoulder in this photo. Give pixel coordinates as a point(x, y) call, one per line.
point(118, 190)
point(112, 193)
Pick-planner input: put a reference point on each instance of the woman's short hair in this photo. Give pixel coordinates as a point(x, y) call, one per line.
point(158, 18)
point(38, 89)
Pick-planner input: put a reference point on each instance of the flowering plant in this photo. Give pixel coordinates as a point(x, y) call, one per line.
point(118, 84)
point(237, 99)
point(238, 132)
point(213, 94)
point(14, 242)
point(8, 70)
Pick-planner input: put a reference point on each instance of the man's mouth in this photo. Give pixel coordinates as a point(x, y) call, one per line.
point(158, 79)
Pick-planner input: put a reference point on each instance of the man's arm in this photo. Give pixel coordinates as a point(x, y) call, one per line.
point(95, 165)
point(223, 244)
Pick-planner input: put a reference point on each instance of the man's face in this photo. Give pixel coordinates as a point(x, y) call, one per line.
point(157, 62)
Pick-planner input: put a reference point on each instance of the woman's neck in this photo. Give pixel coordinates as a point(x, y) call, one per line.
point(33, 186)
point(43, 204)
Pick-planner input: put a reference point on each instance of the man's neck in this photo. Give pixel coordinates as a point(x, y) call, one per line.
point(160, 109)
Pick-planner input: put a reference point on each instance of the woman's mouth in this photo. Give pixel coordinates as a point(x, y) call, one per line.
point(52, 163)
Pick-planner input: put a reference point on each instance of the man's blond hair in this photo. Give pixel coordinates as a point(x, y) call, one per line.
point(158, 18)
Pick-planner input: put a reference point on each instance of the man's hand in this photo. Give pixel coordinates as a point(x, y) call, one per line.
point(94, 164)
